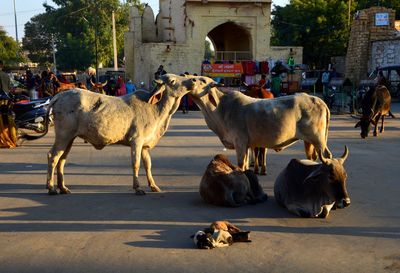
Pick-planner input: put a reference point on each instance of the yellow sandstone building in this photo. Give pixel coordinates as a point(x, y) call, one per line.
point(175, 38)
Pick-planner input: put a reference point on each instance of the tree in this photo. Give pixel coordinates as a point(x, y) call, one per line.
point(77, 26)
point(37, 40)
point(393, 4)
point(320, 26)
point(9, 49)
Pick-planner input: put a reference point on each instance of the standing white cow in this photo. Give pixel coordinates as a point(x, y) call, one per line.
point(242, 122)
point(103, 120)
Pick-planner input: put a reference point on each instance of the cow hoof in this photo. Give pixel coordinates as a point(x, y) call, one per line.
point(263, 173)
point(155, 189)
point(65, 191)
point(52, 192)
point(375, 134)
point(140, 192)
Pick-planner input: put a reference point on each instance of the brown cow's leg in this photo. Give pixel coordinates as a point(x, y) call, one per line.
point(136, 150)
point(382, 126)
point(60, 170)
point(147, 165)
point(376, 124)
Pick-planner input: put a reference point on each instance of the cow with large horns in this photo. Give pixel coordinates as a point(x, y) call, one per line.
point(242, 122)
point(375, 105)
point(103, 120)
point(98, 87)
point(311, 189)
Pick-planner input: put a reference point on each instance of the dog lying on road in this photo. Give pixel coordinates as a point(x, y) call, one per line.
point(220, 234)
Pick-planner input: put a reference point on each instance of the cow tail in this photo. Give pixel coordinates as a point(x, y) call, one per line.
point(46, 124)
point(327, 152)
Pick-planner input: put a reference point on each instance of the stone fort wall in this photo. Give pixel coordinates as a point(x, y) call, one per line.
point(371, 45)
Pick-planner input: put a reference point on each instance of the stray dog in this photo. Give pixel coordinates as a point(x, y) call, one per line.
point(220, 234)
point(224, 184)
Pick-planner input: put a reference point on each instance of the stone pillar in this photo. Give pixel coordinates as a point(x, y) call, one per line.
point(132, 40)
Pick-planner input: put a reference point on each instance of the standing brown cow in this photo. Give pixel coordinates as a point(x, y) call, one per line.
point(375, 105)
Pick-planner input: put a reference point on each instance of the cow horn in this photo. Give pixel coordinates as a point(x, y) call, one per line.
point(343, 158)
point(321, 157)
point(104, 84)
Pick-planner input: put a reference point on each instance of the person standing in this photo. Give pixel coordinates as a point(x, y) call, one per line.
point(130, 87)
point(8, 130)
point(5, 82)
point(160, 71)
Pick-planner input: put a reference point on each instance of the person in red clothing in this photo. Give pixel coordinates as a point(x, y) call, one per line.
point(263, 80)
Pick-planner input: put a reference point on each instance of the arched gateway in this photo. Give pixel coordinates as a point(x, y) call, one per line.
point(239, 30)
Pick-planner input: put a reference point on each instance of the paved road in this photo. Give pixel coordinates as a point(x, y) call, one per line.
point(104, 227)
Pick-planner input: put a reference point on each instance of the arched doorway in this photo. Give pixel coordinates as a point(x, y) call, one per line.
point(231, 42)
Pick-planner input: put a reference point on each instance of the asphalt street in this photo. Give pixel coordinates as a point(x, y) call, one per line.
point(104, 227)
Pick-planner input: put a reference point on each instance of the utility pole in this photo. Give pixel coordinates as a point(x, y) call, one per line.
point(348, 23)
point(114, 43)
point(16, 25)
point(95, 41)
point(54, 54)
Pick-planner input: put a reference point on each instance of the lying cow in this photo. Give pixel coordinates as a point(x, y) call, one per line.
point(103, 120)
point(311, 189)
point(242, 122)
point(375, 105)
point(224, 184)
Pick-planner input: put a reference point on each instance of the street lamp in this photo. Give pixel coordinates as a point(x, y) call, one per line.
point(16, 25)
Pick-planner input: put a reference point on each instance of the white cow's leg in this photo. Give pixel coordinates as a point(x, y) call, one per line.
point(54, 155)
point(310, 151)
point(325, 211)
point(147, 165)
point(257, 152)
point(60, 170)
point(241, 155)
point(136, 150)
point(263, 153)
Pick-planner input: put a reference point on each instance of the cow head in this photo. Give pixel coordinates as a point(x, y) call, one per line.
point(171, 85)
point(98, 87)
point(332, 178)
point(204, 91)
point(365, 124)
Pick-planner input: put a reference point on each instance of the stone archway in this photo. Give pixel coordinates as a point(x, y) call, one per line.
point(231, 42)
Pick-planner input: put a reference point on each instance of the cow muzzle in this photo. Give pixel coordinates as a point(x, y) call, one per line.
point(343, 204)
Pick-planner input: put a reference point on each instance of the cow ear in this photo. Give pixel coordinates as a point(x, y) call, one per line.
point(313, 178)
point(357, 124)
point(212, 100)
point(156, 97)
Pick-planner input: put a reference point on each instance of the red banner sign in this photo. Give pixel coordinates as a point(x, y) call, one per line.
point(222, 70)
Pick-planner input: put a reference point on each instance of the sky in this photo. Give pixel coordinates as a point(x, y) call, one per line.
point(26, 9)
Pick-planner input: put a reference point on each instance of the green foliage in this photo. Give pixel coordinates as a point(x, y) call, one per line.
point(320, 26)
point(9, 49)
point(77, 27)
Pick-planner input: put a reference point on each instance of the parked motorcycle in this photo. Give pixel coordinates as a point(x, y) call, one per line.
point(28, 114)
